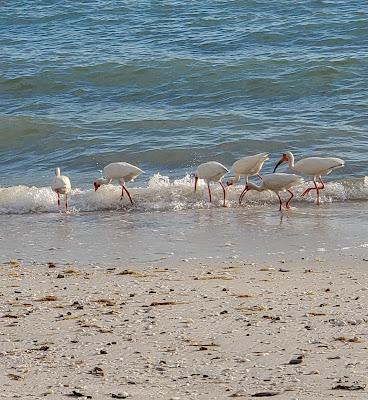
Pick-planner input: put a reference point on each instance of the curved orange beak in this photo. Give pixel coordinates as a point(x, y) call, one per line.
point(284, 158)
point(243, 194)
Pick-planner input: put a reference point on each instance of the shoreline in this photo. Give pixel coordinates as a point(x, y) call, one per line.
point(205, 331)
point(257, 234)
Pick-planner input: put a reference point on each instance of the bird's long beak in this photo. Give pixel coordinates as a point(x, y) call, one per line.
point(277, 165)
point(195, 183)
point(243, 194)
point(284, 158)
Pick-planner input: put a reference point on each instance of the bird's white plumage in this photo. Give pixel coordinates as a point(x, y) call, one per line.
point(276, 183)
point(249, 166)
point(279, 182)
point(211, 171)
point(317, 166)
point(121, 170)
point(314, 166)
point(60, 183)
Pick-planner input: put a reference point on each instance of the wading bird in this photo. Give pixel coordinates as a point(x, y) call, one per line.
point(314, 167)
point(211, 171)
point(276, 183)
point(246, 167)
point(61, 185)
point(122, 172)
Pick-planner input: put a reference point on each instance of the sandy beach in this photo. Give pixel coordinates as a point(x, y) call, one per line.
point(141, 256)
point(291, 329)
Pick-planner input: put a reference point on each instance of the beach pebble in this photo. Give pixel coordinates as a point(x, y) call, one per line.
point(296, 360)
point(122, 395)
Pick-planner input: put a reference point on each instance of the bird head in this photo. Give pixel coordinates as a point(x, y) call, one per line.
point(97, 183)
point(247, 187)
point(285, 158)
point(230, 182)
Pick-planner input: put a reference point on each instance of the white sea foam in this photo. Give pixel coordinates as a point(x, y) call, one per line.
point(162, 194)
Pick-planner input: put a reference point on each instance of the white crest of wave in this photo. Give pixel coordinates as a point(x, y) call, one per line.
point(163, 194)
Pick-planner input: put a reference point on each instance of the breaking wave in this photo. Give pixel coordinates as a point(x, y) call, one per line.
point(161, 194)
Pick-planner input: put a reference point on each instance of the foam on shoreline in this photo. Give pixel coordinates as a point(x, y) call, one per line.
point(161, 194)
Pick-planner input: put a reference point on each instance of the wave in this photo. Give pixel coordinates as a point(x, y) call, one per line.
point(161, 194)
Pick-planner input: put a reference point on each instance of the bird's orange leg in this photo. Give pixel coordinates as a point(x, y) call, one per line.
point(224, 191)
point(314, 188)
point(288, 202)
point(127, 192)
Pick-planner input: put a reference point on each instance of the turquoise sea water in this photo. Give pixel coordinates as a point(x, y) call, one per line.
point(166, 85)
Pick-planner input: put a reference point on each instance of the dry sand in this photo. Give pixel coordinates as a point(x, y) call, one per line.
point(292, 330)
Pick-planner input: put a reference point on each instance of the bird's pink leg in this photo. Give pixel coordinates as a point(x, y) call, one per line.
point(323, 184)
point(317, 189)
point(314, 188)
point(209, 191)
point(127, 192)
point(306, 191)
point(224, 191)
point(278, 195)
point(288, 202)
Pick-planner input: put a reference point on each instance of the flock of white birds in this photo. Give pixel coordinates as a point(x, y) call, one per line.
point(213, 171)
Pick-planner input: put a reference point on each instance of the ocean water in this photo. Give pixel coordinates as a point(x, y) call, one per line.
point(167, 85)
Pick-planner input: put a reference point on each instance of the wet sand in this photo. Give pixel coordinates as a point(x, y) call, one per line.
point(287, 329)
point(258, 233)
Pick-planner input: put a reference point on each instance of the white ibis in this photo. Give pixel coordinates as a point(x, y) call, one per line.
point(61, 185)
point(246, 167)
point(120, 171)
point(276, 183)
point(313, 167)
point(211, 171)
